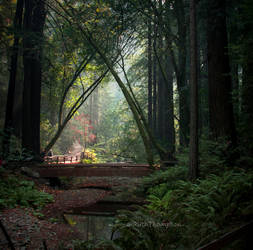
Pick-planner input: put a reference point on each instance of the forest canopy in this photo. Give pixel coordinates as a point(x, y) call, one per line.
point(138, 80)
point(167, 83)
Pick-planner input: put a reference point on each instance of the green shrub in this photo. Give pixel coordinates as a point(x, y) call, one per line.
point(187, 216)
point(16, 192)
point(90, 156)
point(208, 207)
point(160, 181)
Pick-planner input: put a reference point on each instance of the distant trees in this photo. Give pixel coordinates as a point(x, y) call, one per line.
point(84, 41)
point(160, 79)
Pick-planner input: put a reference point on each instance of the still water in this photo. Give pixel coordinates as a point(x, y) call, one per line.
point(92, 227)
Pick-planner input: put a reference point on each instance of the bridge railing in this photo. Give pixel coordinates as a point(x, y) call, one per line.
point(68, 158)
point(62, 158)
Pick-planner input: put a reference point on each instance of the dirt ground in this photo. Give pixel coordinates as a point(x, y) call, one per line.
point(30, 231)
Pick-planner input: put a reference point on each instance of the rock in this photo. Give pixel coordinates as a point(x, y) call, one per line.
point(29, 172)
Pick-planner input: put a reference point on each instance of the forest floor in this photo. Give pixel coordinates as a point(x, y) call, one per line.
point(29, 230)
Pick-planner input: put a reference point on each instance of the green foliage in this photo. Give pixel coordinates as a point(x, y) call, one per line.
point(184, 215)
point(16, 192)
point(118, 135)
point(89, 245)
point(144, 230)
point(161, 181)
point(207, 208)
point(46, 131)
point(188, 216)
point(213, 155)
point(90, 156)
point(16, 153)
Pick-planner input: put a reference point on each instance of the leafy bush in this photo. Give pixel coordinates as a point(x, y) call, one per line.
point(160, 180)
point(90, 156)
point(208, 207)
point(214, 156)
point(190, 215)
point(186, 216)
point(16, 153)
point(14, 192)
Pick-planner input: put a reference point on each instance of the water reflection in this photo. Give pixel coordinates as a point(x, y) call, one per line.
point(92, 227)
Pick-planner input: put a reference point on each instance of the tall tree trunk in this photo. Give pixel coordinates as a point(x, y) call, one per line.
point(96, 113)
point(150, 82)
point(169, 129)
point(247, 81)
point(8, 126)
point(34, 20)
point(154, 82)
point(161, 82)
point(193, 170)
point(219, 79)
point(183, 90)
point(169, 108)
point(203, 85)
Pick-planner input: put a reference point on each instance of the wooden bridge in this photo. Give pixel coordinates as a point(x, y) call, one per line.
point(96, 169)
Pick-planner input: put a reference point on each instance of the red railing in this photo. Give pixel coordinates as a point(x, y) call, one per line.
point(63, 159)
point(68, 158)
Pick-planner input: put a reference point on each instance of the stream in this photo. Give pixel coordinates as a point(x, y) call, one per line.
point(95, 222)
point(92, 227)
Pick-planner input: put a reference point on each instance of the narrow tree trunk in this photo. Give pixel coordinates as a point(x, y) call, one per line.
point(80, 101)
point(193, 170)
point(96, 113)
point(142, 129)
point(150, 82)
point(161, 82)
point(169, 108)
point(183, 90)
point(154, 83)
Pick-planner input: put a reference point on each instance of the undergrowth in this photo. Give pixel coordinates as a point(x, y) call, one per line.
point(186, 215)
point(18, 192)
point(90, 156)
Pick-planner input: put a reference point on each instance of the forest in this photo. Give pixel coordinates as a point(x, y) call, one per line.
point(166, 83)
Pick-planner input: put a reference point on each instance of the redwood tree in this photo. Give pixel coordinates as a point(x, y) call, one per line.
point(219, 79)
point(8, 126)
point(193, 171)
point(34, 19)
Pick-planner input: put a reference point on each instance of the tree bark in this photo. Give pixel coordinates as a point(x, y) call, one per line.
point(193, 170)
point(34, 20)
point(154, 83)
point(219, 79)
point(183, 89)
point(96, 113)
point(150, 82)
point(169, 107)
point(161, 82)
point(247, 81)
point(8, 126)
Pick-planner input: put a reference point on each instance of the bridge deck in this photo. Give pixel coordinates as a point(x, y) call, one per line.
point(99, 169)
